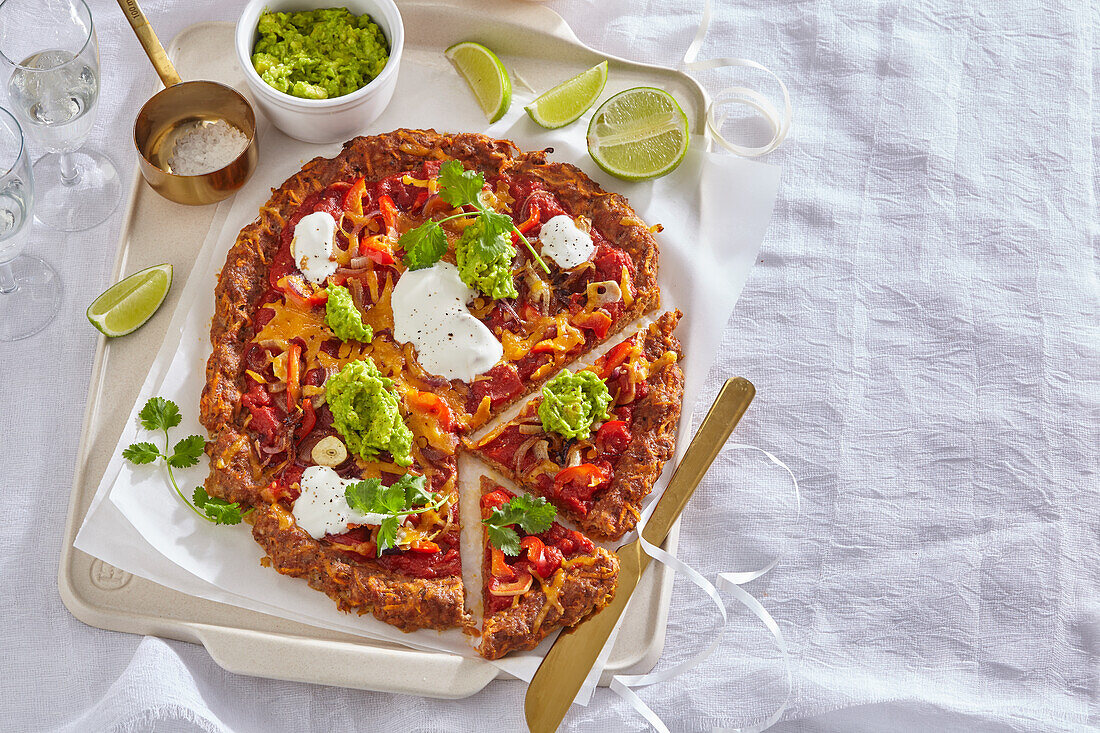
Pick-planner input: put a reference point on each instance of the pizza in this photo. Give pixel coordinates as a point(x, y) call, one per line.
point(386, 304)
point(547, 579)
point(598, 476)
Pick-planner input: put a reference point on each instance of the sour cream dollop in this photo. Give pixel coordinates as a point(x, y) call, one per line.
point(322, 508)
point(312, 246)
point(429, 311)
point(565, 243)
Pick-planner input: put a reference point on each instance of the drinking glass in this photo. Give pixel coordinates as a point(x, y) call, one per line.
point(49, 59)
point(30, 291)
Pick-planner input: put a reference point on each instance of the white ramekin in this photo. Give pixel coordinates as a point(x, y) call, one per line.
point(322, 120)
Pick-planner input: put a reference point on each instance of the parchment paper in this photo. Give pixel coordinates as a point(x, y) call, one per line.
point(714, 208)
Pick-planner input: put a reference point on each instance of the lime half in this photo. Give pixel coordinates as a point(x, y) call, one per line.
point(129, 303)
point(638, 134)
point(487, 77)
point(570, 99)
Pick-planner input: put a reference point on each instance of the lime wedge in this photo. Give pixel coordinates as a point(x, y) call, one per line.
point(487, 77)
point(129, 303)
point(570, 99)
point(638, 134)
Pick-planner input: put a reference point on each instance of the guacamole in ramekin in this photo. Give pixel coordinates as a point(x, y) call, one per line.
point(319, 54)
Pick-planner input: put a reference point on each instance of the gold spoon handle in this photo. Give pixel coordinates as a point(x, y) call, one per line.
point(149, 41)
point(724, 414)
point(569, 660)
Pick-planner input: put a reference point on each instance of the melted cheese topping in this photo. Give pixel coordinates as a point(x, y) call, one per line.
point(566, 243)
point(313, 246)
point(429, 311)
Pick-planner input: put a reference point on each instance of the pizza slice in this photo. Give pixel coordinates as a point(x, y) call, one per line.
point(538, 576)
point(595, 441)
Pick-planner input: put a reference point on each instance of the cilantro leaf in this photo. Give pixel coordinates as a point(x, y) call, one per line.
point(424, 245)
point(362, 496)
point(387, 534)
point(159, 414)
point(219, 511)
point(141, 453)
point(504, 539)
point(536, 514)
point(415, 493)
point(532, 514)
point(458, 186)
point(391, 500)
point(186, 452)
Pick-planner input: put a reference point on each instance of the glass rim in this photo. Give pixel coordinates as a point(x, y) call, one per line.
point(22, 142)
point(83, 47)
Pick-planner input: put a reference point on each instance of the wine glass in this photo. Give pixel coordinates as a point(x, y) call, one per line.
point(30, 291)
point(49, 57)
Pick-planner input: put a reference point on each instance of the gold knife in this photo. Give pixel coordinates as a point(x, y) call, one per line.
point(569, 661)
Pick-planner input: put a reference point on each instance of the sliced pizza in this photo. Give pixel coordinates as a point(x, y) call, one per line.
point(595, 441)
point(385, 302)
point(538, 576)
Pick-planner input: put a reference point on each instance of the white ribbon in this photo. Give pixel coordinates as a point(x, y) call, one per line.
point(739, 95)
point(729, 582)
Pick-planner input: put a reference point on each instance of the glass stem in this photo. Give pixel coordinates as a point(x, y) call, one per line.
point(8, 283)
point(70, 174)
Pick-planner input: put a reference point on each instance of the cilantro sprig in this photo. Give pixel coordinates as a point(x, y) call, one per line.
point(426, 244)
point(408, 495)
point(163, 415)
point(532, 514)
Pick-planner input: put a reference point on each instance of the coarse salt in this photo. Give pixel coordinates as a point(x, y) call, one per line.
point(204, 147)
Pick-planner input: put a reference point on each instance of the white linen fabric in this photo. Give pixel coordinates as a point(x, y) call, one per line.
point(923, 328)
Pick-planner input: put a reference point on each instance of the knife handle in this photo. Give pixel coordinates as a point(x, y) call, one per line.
point(724, 414)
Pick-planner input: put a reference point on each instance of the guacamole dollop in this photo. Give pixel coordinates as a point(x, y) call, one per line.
point(571, 402)
point(343, 317)
point(484, 257)
point(319, 54)
point(365, 411)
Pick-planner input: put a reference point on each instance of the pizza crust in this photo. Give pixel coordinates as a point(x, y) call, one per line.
point(585, 589)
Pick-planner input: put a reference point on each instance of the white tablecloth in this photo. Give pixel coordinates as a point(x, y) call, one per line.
point(923, 328)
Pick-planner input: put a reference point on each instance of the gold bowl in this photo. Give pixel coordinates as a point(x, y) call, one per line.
point(178, 106)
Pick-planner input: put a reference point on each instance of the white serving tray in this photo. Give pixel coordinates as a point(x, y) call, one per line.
point(538, 46)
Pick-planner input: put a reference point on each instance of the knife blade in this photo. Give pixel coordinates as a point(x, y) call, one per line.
point(569, 660)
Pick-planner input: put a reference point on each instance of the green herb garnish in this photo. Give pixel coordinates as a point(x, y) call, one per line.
point(426, 244)
point(161, 414)
point(532, 514)
point(403, 497)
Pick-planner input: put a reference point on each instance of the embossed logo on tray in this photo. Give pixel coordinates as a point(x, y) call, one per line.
point(108, 577)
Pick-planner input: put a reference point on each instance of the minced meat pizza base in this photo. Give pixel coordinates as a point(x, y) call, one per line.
point(236, 471)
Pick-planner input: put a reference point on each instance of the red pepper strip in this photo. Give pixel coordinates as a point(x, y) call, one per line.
point(389, 211)
point(520, 585)
point(532, 220)
point(432, 404)
point(309, 419)
point(615, 357)
point(368, 248)
point(598, 322)
point(293, 375)
point(499, 566)
point(300, 294)
point(421, 199)
point(545, 559)
point(353, 199)
point(493, 499)
point(586, 474)
point(424, 546)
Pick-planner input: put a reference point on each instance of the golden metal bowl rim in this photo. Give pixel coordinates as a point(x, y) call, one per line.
point(247, 147)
